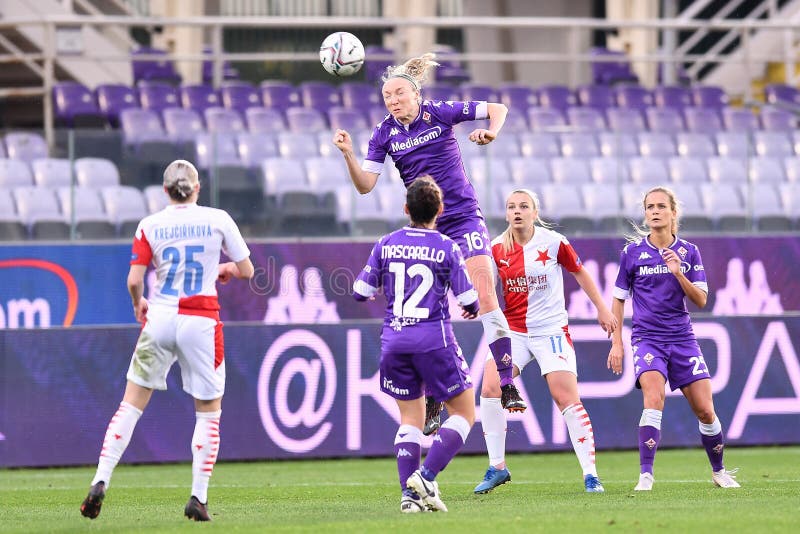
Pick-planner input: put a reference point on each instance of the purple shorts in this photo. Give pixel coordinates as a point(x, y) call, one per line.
point(443, 372)
point(469, 231)
point(681, 363)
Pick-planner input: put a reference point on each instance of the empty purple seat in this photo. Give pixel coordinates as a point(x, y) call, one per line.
point(297, 145)
point(264, 120)
point(346, 119)
point(611, 67)
point(766, 170)
point(319, 95)
point(96, 172)
point(645, 170)
point(687, 170)
point(557, 97)
point(199, 97)
point(113, 98)
point(517, 97)
point(775, 119)
point(545, 119)
point(727, 169)
point(376, 115)
point(450, 70)
point(781, 93)
point(695, 144)
point(141, 125)
point(596, 96)
point(440, 91)
point(25, 146)
point(358, 95)
point(634, 96)
point(375, 67)
point(75, 106)
point(279, 94)
point(182, 124)
point(579, 145)
point(217, 149)
point(739, 119)
point(14, 173)
point(158, 96)
point(656, 144)
point(709, 96)
point(515, 123)
point(620, 144)
point(664, 119)
point(586, 119)
point(228, 71)
point(474, 91)
point(609, 170)
point(239, 95)
point(732, 144)
point(539, 145)
point(702, 119)
point(625, 119)
point(255, 148)
point(223, 120)
point(775, 144)
point(672, 96)
point(570, 170)
point(305, 120)
point(147, 69)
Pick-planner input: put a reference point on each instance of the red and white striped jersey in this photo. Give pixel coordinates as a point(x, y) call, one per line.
point(533, 284)
point(184, 242)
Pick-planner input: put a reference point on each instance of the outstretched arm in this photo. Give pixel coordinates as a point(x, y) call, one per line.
point(363, 180)
point(497, 117)
point(241, 269)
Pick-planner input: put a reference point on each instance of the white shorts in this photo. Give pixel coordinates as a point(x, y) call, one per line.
point(195, 341)
point(553, 353)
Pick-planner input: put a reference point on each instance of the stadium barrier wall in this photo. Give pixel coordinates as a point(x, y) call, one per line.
point(310, 282)
point(307, 391)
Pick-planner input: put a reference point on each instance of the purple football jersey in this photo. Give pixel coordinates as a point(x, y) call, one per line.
point(416, 268)
point(659, 303)
point(428, 146)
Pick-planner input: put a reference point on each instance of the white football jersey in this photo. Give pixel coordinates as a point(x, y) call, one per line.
point(184, 241)
point(533, 284)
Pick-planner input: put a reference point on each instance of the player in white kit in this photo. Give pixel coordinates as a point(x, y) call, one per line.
point(181, 323)
point(529, 259)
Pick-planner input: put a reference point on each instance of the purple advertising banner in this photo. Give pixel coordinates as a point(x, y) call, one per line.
point(309, 282)
point(297, 391)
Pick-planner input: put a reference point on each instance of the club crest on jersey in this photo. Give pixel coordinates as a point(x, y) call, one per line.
point(682, 251)
point(426, 117)
point(648, 358)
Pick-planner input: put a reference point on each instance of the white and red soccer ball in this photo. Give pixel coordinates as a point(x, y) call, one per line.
point(341, 54)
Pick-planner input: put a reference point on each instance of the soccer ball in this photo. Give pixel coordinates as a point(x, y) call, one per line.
point(341, 54)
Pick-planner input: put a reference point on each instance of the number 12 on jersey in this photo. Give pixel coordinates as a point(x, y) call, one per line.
point(410, 307)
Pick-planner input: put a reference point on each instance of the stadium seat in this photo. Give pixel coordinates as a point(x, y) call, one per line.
point(656, 144)
point(479, 92)
point(791, 166)
point(604, 204)
point(143, 135)
point(488, 172)
point(556, 97)
point(732, 144)
point(223, 120)
point(782, 94)
point(38, 208)
point(199, 97)
point(255, 148)
point(96, 172)
point(609, 170)
point(440, 91)
point(695, 145)
point(359, 95)
point(350, 119)
point(279, 94)
point(74, 106)
point(672, 96)
point(305, 120)
point(599, 97)
point(790, 194)
point(155, 197)
point(728, 170)
point(563, 203)
point(664, 119)
point(529, 171)
point(634, 97)
point(284, 174)
point(775, 144)
point(182, 125)
point(545, 119)
point(15, 173)
point(90, 218)
point(612, 67)
point(709, 96)
point(778, 120)
point(297, 145)
point(694, 213)
point(376, 115)
point(570, 170)
point(229, 72)
point(739, 119)
point(361, 214)
point(586, 119)
point(726, 206)
point(644, 170)
point(25, 146)
point(579, 145)
point(374, 69)
point(516, 123)
point(326, 174)
point(618, 144)
point(264, 120)
point(625, 120)
point(158, 96)
point(765, 170)
point(393, 197)
point(146, 69)
point(539, 144)
point(239, 95)
point(217, 149)
point(125, 207)
point(503, 147)
point(320, 96)
point(52, 172)
point(767, 207)
point(113, 98)
point(517, 97)
point(702, 119)
point(687, 170)
point(11, 226)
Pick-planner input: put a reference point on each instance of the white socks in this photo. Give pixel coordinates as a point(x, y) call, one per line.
point(118, 435)
point(582, 436)
point(205, 446)
point(493, 420)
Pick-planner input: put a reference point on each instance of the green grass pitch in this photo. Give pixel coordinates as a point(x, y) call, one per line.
point(546, 495)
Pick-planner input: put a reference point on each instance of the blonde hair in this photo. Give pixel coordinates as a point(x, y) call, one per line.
point(508, 235)
point(180, 179)
point(415, 70)
point(641, 230)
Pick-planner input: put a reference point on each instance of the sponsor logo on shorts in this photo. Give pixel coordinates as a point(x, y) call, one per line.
point(453, 388)
point(388, 385)
point(648, 358)
point(650, 443)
